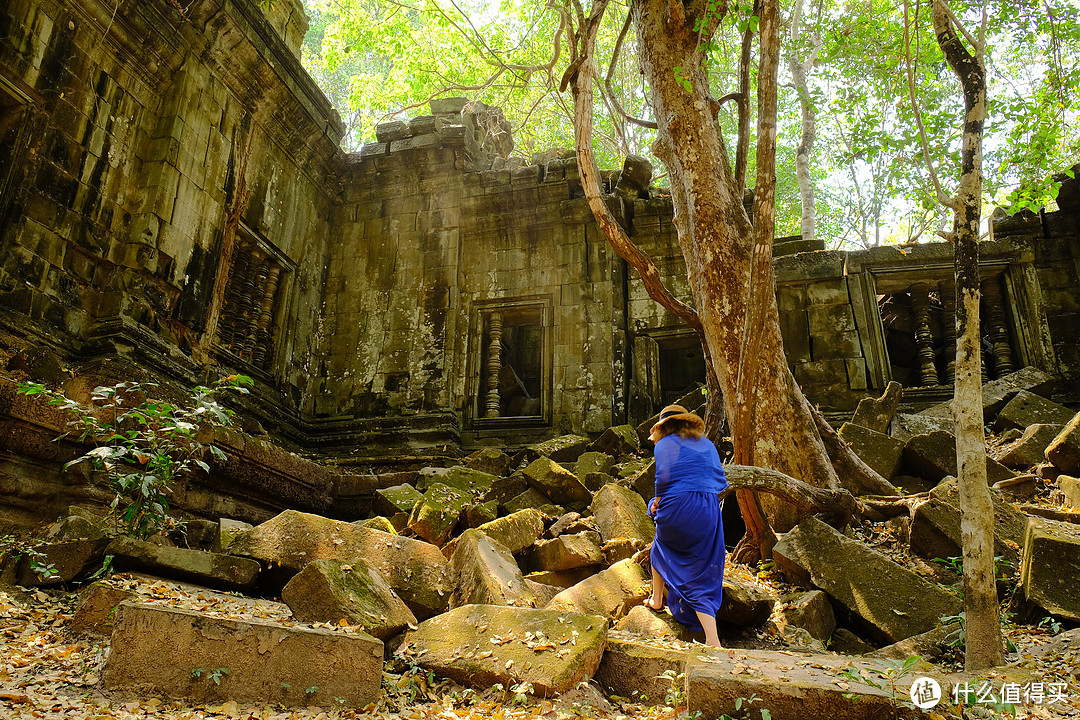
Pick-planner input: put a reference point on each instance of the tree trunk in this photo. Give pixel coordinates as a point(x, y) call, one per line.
point(983, 646)
point(798, 68)
point(717, 242)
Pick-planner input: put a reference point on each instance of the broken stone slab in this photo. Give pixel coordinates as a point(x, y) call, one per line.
point(906, 426)
point(609, 593)
point(878, 450)
point(935, 525)
point(516, 531)
point(930, 645)
point(1070, 490)
point(635, 670)
point(744, 604)
point(997, 393)
point(206, 658)
point(1064, 450)
point(463, 479)
point(476, 513)
point(634, 179)
point(892, 602)
point(651, 624)
point(593, 462)
point(505, 488)
point(557, 483)
point(562, 525)
point(616, 441)
point(811, 611)
point(620, 512)
point(533, 499)
point(621, 549)
point(933, 456)
point(1030, 449)
point(845, 642)
point(790, 687)
point(61, 563)
point(213, 570)
point(565, 448)
point(481, 645)
point(395, 499)
point(434, 517)
point(331, 591)
point(96, 613)
point(485, 573)
point(1050, 573)
point(285, 544)
point(379, 523)
point(75, 527)
point(1027, 409)
point(876, 413)
point(563, 579)
point(488, 460)
point(567, 552)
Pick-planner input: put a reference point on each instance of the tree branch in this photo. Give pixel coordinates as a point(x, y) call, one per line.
point(836, 506)
point(611, 71)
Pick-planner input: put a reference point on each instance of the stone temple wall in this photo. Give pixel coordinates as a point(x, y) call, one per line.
point(173, 195)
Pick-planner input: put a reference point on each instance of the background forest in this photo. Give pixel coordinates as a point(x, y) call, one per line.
point(857, 78)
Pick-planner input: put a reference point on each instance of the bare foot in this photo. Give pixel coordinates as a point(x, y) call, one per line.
point(651, 602)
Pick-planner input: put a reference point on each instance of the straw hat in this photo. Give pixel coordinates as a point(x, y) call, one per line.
point(678, 412)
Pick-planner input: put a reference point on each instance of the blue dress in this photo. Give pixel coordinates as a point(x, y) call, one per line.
point(688, 552)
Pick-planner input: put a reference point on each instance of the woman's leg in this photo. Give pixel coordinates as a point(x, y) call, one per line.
point(708, 623)
point(656, 602)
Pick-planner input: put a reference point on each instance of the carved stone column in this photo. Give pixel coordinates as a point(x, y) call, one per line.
point(993, 307)
point(266, 309)
point(494, 364)
point(948, 328)
point(924, 336)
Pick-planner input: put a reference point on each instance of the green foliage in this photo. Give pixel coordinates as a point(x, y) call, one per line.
point(676, 692)
point(145, 445)
point(19, 549)
point(214, 675)
point(740, 702)
point(1051, 624)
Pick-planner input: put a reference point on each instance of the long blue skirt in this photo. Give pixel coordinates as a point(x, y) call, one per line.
point(689, 554)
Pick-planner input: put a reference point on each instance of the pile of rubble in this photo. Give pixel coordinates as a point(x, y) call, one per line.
point(523, 571)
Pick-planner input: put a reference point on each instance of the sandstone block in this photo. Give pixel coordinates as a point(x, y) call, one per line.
point(648, 623)
point(66, 562)
point(173, 653)
point(846, 642)
point(616, 441)
point(935, 526)
point(74, 527)
point(593, 462)
point(933, 456)
point(378, 523)
point(1050, 573)
point(434, 517)
point(479, 513)
point(881, 452)
point(997, 393)
point(485, 573)
point(563, 579)
point(892, 602)
point(488, 460)
point(214, 570)
point(533, 499)
point(621, 513)
point(905, 426)
point(1030, 449)
point(567, 552)
point(1070, 488)
point(463, 479)
point(96, 613)
point(1064, 450)
point(516, 531)
point(395, 499)
point(285, 544)
point(877, 413)
point(480, 645)
point(329, 591)
point(565, 448)
point(609, 593)
point(636, 669)
point(557, 483)
point(811, 611)
point(1027, 409)
point(744, 604)
point(621, 549)
point(505, 488)
point(790, 688)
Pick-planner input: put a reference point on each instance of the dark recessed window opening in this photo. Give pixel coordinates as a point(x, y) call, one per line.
point(511, 353)
point(682, 367)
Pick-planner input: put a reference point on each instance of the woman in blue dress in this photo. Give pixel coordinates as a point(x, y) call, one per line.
point(688, 553)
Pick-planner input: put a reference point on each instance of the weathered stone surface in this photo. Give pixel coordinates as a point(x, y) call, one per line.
point(415, 569)
point(893, 602)
point(96, 613)
point(621, 513)
point(651, 624)
point(635, 178)
point(395, 499)
point(485, 573)
point(1050, 573)
point(881, 452)
point(877, 413)
point(505, 488)
point(1030, 449)
point(329, 591)
point(608, 593)
point(933, 456)
point(155, 651)
point(488, 460)
point(1027, 409)
point(567, 552)
point(935, 525)
point(905, 426)
point(1064, 451)
point(621, 549)
point(930, 645)
point(516, 531)
point(379, 523)
point(434, 517)
point(846, 642)
point(593, 462)
point(67, 561)
point(535, 500)
point(477, 513)
point(557, 483)
point(810, 611)
point(480, 645)
point(616, 441)
point(74, 527)
point(789, 688)
point(636, 670)
point(744, 604)
point(997, 393)
point(1070, 490)
point(463, 479)
point(565, 448)
point(563, 579)
point(215, 570)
